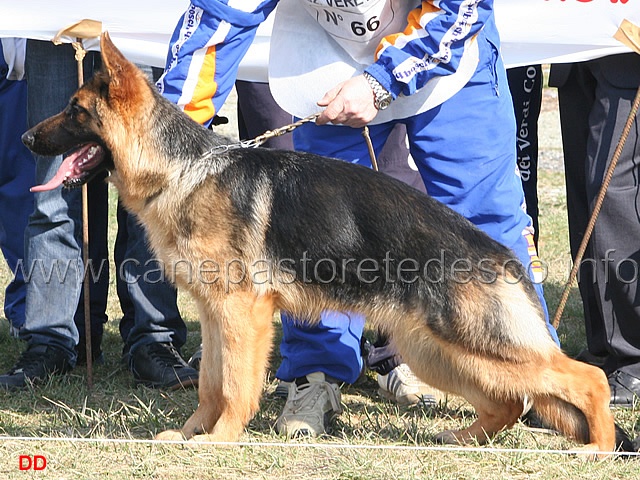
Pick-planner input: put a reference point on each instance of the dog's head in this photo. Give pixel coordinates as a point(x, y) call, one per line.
point(95, 121)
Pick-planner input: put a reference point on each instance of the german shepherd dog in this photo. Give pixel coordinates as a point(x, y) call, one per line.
point(303, 233)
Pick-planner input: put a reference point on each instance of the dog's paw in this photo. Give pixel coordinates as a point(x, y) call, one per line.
point(170, 435)
point(591, 452)
point(204, 438)
point(448, 437)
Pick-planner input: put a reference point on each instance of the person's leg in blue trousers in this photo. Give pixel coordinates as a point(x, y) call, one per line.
point(53, 236)
point(333, 346)
point(148, 300)
point(17, 175)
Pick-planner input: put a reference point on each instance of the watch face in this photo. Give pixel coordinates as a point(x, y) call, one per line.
point(384, 102)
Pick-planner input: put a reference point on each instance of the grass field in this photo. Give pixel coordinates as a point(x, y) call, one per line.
point(103, 433)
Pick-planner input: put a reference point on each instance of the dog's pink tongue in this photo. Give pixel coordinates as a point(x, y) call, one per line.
point(58, 178)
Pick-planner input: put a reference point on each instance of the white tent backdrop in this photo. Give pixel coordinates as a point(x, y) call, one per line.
point(533, 31)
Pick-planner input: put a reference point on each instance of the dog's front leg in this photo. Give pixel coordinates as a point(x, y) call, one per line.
point(237, 339)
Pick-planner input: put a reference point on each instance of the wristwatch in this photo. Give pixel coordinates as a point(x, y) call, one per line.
point(381, 96)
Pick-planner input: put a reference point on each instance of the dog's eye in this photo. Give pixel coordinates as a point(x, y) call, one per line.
point(75, 110)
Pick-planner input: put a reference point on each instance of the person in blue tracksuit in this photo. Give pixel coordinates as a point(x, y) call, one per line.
point(432, 65)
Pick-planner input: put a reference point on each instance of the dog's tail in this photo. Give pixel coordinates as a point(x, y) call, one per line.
point(567, 419)
point(577, 405)
point(562, 416)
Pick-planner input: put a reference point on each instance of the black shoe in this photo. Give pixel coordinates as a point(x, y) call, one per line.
point(625, 389)
point(159, 365)
point(34, 366)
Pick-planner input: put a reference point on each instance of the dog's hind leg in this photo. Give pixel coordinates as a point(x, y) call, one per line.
point(235, 351)
point(493, 417)
point(453, 370)
point(575, 400)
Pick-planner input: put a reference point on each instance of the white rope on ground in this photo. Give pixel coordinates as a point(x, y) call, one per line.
point(327, 446)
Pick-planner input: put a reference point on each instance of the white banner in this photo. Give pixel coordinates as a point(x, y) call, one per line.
point(557, 31)
point(140, 28)
point(532, 31)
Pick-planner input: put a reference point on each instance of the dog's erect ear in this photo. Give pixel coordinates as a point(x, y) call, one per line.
point(114, 63)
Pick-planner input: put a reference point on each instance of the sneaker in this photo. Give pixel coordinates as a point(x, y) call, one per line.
point(159, 365)
point(403, 387)
point(527, 405)
point(529, 417)
point(196, 358)
point(282, 389)
point(35, 365)
point(311, 405)
point(532, 420)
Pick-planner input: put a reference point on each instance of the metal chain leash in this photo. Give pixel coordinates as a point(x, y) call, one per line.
point(260, 139)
